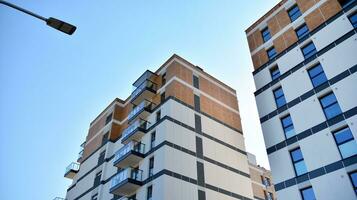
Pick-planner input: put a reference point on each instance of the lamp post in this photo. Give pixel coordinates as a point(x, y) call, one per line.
point(52, 22)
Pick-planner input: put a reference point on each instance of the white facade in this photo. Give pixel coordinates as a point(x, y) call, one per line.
point(327, 171)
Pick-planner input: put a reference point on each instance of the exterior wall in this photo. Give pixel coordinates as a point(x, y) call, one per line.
point(335, 40)
point(177, 156)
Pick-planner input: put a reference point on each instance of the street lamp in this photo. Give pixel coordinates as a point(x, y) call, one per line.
point(52, 22)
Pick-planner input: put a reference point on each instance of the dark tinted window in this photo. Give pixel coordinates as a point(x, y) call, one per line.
point(309, 50)
point(149, 193)
point(302, 31)
point(151, 166)
point(266, 34)
point(197, 103)
point(345, 142)
point(271, 53)
point(345, 3)
point(317, 75)
point(101, 158)
point(274, 72)
point(105, 138)
point(279, 97)
point(97, 179)
point(196, 82)
point(109, 118)
point(308, 194)
point(330, 106)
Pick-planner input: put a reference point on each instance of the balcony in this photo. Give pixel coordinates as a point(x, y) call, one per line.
point(71, 170)
point(141, 111)
point(129, 155)
point(80, 154)
point(134, 132)
point(126, 182)
point(146, 90)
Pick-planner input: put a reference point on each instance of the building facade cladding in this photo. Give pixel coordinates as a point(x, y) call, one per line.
point(189, 145)
point(317, 74)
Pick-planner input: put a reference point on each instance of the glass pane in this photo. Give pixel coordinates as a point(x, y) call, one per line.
point(319, 79)
point(287, 121)
point(348, 149)
point(289, 131)
point(300, 168)
point(271, 53)
point(328, 100)
point(353, 20)
point(278, 93)
point(280, 101)
point(302, 31)
point(308, 194)
point(296, 155)
point(309, 50)
point(354, 178)
point(332, 111)
point(315, 71)
point(343, 135)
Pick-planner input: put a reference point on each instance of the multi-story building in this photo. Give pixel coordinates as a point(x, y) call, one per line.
point(304, 54)
point(178, 136)
point(262, 185)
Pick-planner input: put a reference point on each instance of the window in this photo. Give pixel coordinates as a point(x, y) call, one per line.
point(97, 179)
point(105, 138)
point(95, 197)
point(163, 79)
point(288, 126)
point(151, 166)
point(266, 34)
point(298, 161)
point(279, 97)
point(271, 53)
point(196, 82)
point(345, 142)
point(158, 115)
point(353, 19)
point(274, 72)
point(101, 158)
point(152, 140)
point(268, 195)
point(353, 177)
point(308, 194)
point(345, 3)
point(109, 118)
point(149, 193)
point(330, 105)
point(317, 75)
point(197, 103)
point(294, 13)
point(302, 31)
point(265, 181)
point(308, 50)
point(162, 97)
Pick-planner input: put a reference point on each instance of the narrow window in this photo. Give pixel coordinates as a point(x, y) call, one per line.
point(353, 177)
point(353, 19)
point(158, 115)
point(196, 82)
point(162, 97)
point(152, 140)
point(317, 75)
point(330, 105)
point(266, 34)
point(345, 142)
point(151, 166)
point(164, 79)
point(275, 73)
point(302, 31)
point(109, 118)
point(345, 3)
point(288, 126)
point(268, 195)
point(309, 50)
point(308, 194)
point(149, 193)
point(101, 158)
point(197, 103)
point(298, 162)
point(105, 138)
point(279, 97)
point(97, 179)
point(294, 13)
point(271, 53)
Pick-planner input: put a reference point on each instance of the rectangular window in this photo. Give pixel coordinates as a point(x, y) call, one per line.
point(152, 140)
point(266, 34)
point(288, 126)
point(317, 75)
point(308, 194)
point(345, 142)
point(151, 166)
point(274, 72)
point(163, 79)
point(101, 158)
point(353, 19)
point(298, 162)
point(309, 50)
point(279, 97)
point(268, 195)
point(149, 193)
point(353, 177)
point(294, 13)
point(109, 118)
point(158, 115)
point(97, 179)
point(265, 181)
point(302, 31)
point(105, 138)
point(330, 105)
point(345, 3)
point(197, 103)
point(271, 53)
point(196, 82)
point(162, 97)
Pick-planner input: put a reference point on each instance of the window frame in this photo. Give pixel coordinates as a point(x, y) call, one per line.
point(304, 189)
point(276, 98)
point(149, 190)
point(286, 127)
point(350, 19)
point(304, 33)
point(346, 3)
point(196, 81)
point(354, 187)
point(310, 53)
point(293, 16)
point(297, 161)
point(322, 72)
point(151, 166)
point(265, 32)
point(330, 105)
point(109, 118)
point(344, 142)
point(274, 72)
point(152, 139)
point(273, 55)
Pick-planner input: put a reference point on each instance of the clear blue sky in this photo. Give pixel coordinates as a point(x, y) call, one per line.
point(53, 85)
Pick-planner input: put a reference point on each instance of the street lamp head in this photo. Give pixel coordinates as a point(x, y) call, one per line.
point(61, 25)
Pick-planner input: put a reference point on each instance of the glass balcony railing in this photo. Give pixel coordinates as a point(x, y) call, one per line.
point(81, 151)
point(137, 125)
point(145, 105)
point(147, 85)
point(71, 169)
point(129, 155)
point(126, 182)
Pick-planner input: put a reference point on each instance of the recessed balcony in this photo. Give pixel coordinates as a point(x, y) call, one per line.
point(71, 170)
point(142, 110)
point(126, 182)
point(129, 155)
point(134, 132)
point(146, 90)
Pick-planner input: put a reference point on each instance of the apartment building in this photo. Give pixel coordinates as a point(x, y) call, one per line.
point(304, 54)
point(177, 136)
point(263, 188)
